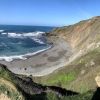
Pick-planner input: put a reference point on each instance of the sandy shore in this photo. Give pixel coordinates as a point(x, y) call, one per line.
point(43, 63)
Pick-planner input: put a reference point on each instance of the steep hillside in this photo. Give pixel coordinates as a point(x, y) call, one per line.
point(82, 34)
point(79, 75)
point(74, 81)
point(8, 90)
point(15, 87)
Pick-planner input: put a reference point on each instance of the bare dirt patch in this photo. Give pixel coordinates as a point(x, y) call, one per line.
point(4, 97)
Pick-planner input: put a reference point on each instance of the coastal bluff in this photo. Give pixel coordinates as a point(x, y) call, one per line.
point(81, 34)
point(66, 71)
point(68, 43)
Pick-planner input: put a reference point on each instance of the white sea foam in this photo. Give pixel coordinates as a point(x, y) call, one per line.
point(3, 33)
point(14, 35)
point(38, 41)
point(1, 30)
point(31, 34)
point(22, 57)
point(34, 34)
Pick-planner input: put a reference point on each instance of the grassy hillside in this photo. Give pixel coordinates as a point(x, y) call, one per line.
point(78, 75)
point(8, 90)
point(15, 87)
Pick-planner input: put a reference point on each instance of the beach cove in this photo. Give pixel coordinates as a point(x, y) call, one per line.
point(43, 63)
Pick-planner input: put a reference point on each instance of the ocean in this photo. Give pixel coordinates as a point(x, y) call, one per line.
point(18, 42)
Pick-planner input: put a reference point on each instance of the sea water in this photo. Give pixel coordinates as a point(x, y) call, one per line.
point(18, 42)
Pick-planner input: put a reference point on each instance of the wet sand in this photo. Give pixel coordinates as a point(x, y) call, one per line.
point(43, 63)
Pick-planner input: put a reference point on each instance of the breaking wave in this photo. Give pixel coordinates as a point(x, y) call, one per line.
point(33, 35)
point(1, 30)
point(20, 35)
point(21, 42)
point(22, 57)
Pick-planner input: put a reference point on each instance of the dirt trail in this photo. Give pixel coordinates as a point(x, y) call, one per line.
point(4, 97)
point(7, 83)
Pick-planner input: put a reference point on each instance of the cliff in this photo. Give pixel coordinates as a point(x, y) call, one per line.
point(81, 34)
point(77, 76)
point(17, 87)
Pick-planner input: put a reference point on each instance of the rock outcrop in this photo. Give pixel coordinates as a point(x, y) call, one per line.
point(82, 34)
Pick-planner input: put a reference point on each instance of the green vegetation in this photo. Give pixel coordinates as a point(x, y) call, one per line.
point(64, 78)
point(85, 96)
point(7, 86)
point(13, 95)
point(78, 76)
point(52, 96)
point(61, 78)
point(70, 77)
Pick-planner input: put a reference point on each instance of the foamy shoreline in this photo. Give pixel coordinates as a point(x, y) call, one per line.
point(43, 63)
point(22, 57)
point(35, 36)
